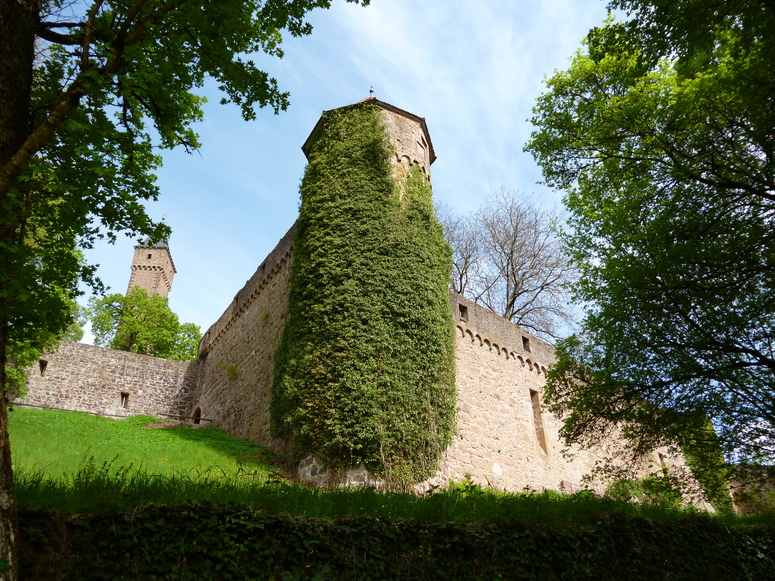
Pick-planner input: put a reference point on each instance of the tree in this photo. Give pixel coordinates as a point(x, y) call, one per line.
point(461, 234)
point(23, 352)
point(80, 83)
point(506, 257)
point(74, 331)
point(661, 133)
point(142, 324)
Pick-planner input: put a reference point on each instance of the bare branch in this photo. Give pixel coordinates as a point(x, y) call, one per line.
point(507, 258)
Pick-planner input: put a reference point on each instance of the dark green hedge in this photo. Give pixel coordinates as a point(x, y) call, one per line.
point(225, 542)
point(365, 370)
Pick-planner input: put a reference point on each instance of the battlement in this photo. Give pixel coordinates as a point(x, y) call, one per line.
point(152, 269)
point(408, 134)
point(278, 259)
point(504, 436)
point(505, 339)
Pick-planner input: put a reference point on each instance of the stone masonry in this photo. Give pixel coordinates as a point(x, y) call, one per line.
point(105, 381)
point(504, 438)
point(408, 134)
point(152, 269)
point(237, 353)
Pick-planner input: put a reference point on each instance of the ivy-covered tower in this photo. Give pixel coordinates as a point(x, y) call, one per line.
point(365, 370)
point(410, 143)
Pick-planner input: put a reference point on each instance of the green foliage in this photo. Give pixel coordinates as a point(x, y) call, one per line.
point(365, 369)
point(74, 331)
point(231, 371)
point(23, 353)
point(653, 490)
point(753, 488)
point(143, 324)
point(202, 541)
point(112, 83)
point(705, 458)
point(660, 133)
point(75, 462)
point(106, 529)
point(91, 92)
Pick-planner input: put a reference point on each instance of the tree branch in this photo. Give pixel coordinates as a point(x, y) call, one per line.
point(56, 37)
point(71, 98)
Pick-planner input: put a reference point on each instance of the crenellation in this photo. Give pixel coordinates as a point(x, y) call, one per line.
point(279, 259)
point(152, 269)
point(244, 339)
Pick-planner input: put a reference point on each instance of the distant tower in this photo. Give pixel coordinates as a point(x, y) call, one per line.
point(152, 268)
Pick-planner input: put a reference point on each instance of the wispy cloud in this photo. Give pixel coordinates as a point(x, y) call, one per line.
point(473, 68)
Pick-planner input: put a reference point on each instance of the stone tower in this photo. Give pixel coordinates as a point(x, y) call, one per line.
point(364, 371)
point(408, 133)
point(152, 268)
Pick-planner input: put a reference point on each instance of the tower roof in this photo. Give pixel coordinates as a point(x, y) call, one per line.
point(387, 106)
point(147, 243)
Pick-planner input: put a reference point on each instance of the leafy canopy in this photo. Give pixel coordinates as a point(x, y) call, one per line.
point(142, 324)
point(661, 135)
point(111, 84)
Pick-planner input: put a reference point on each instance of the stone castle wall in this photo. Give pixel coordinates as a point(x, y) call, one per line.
point(105, 381)
point(504, 439)
point(237, 352)
point(411, 143)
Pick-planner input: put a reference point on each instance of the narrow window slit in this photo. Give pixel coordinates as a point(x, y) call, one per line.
point(538, 421)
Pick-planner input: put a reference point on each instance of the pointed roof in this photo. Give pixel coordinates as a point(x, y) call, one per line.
point(388, 107)
point(148, 243)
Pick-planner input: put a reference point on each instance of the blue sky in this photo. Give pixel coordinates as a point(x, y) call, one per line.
point(472, 68)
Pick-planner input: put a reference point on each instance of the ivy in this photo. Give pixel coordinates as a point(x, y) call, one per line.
point(365, 370)
point(201, 541)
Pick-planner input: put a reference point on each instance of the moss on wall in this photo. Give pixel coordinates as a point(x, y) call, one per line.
point(365, 370)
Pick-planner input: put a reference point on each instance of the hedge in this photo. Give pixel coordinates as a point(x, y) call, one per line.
point(199, 541)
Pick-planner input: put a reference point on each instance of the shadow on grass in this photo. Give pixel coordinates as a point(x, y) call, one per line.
point(251, 456)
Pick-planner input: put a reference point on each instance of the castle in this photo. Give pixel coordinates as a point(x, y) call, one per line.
point(503, 439)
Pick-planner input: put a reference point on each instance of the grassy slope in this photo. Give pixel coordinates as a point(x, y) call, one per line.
point(58, 443)
point(74, 462)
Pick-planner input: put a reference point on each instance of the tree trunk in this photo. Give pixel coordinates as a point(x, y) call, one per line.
point(17, 41)
point(9, 522)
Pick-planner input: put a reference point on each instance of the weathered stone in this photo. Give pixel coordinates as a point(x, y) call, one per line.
point(104, 381)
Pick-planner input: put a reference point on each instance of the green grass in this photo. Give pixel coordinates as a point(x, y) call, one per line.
point(95, 488)
point(58, 443)
point(74, 462)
